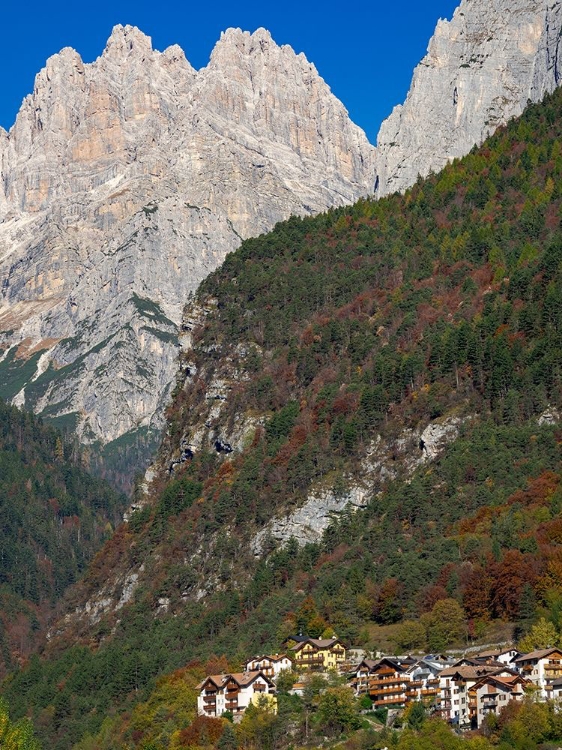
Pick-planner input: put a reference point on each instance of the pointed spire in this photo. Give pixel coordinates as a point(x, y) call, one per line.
point(126, 39)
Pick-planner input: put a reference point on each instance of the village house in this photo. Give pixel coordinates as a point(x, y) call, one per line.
point(361, 674)
point(395, 681)
point(270, 666)
point(503, 656)
point(388, 683)
point(233, 692)
point(542, 667)
point(317, 654)
point(424, 676)
point(455, 683)
point(492, 693)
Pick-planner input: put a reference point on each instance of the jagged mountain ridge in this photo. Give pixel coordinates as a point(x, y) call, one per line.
point(481, 69)
point(124, 183)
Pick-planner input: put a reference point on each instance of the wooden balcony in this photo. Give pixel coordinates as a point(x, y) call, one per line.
point(388, 691)
point(388, 681)
point(303, 660)
point(231, 705)
point(389, 702)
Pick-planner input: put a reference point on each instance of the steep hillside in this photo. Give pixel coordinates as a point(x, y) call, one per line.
point(54, 518)
point(124, 183)
point(366, 423)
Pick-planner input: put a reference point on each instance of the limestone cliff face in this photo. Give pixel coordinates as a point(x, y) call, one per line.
point(124, 183)
point(480, 70)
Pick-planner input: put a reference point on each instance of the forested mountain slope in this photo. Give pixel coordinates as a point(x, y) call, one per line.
point(54, 515)
point(403, 355)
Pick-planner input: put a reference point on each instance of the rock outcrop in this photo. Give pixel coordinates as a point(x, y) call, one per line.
point(384, 462)
point(481, 69)
point(124, 183)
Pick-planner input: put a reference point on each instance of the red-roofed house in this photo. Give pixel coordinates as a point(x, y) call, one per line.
point(492, 693)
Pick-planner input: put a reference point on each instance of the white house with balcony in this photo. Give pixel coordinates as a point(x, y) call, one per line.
point(542, 667)
point(233, 692)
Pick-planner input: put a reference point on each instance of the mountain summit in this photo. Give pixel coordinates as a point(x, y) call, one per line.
point(124, 183)
point(481, 69)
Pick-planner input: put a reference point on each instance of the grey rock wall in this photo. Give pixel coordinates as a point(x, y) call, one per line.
point(124, 182)
point(481, 69)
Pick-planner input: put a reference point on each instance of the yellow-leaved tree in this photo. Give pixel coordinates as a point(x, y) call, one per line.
point(15, 735)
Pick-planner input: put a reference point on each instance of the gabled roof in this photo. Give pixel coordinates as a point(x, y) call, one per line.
point(437, 657)
point(472, 672)
point(368, 663)
point(246, 678)
point(216, 679)
point(393, 663)
point(320, 643)
point(426, 665)
point(407, 661)
point(300, 638)
point(242, 679)
point(465, 662)
point(269, 657)
point(540, 654)
point(508, 682)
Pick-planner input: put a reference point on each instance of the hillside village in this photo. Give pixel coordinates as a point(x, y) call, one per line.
point(462, 691)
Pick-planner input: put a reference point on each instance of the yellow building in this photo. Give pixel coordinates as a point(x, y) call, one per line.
point(318, 654)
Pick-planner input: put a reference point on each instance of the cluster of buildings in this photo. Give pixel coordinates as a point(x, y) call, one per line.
point(461, 691)
point(235, 692)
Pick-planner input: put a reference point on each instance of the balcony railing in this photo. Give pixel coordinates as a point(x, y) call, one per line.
point(309, 660)
point(389, 701)
point(387, 691)
point(388, 680)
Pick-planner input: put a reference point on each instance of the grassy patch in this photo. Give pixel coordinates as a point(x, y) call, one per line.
point(15, 373)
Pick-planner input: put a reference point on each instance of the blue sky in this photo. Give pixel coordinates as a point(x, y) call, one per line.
point(366, 51)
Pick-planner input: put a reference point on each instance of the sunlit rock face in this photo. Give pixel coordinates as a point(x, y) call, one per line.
point(481, 69)
point(124, 183)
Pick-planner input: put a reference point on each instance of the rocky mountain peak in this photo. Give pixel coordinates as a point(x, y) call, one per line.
point(481, 69)
point(127, 40)
point(124, 183)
